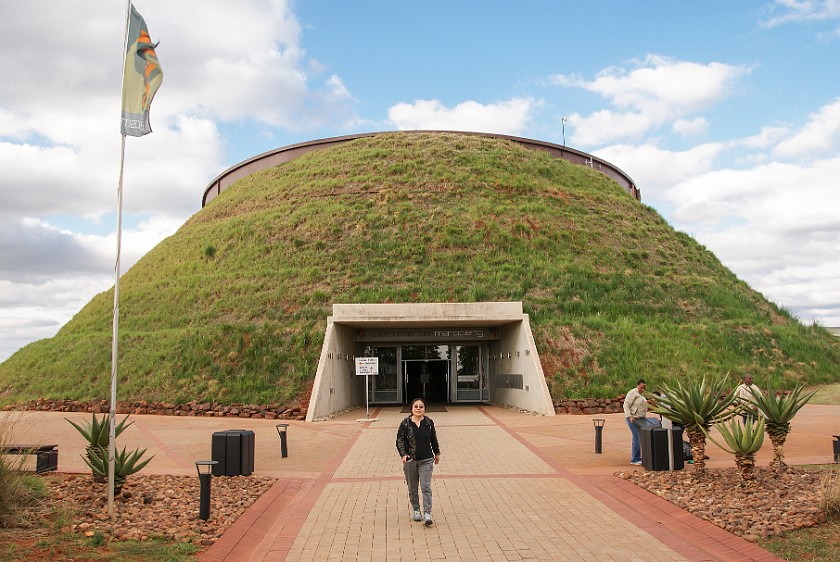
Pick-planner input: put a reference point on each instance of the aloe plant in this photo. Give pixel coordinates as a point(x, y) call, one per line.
point(97, 435)
point(778, 408)
point(125, 464)
point(696, 405)
point(743, 441)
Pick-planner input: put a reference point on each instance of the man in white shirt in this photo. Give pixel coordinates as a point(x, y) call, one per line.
point(635, 414)
point(743, 395)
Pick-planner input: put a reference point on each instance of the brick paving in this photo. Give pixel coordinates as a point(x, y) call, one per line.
point(510, 486)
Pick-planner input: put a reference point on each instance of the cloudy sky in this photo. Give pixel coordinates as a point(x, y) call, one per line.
point(726, 114)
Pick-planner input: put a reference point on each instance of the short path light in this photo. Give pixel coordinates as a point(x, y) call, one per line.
point(599, 430)
point(204, 469)
point(281, 430)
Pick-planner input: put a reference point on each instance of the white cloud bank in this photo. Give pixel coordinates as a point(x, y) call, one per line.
point(510, 117)
point(650, 93)
point(776, 223)
point(60, 143)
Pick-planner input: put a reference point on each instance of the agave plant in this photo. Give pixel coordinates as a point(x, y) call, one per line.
point(778, 409)
point(97, 435)
point(744, 442)
point(696, 406)
point(125, 464)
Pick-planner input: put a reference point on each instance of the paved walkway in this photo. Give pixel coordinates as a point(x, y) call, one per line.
point(509, 486)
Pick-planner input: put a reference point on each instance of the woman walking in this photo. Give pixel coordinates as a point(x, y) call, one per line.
point(419, 451)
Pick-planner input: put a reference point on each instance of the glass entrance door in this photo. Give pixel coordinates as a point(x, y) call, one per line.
point(427, 379)
point(469, 373)
point(440, 373)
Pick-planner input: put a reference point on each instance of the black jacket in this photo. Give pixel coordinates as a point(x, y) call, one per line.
point(405, 437)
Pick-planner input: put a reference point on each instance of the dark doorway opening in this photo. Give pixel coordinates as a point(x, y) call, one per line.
point(427, 379)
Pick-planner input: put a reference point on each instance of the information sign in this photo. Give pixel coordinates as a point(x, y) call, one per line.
point(367, 366)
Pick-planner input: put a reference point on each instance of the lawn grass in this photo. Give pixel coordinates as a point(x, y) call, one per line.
point(232, 308)
point(72, 546)
point(817, 544)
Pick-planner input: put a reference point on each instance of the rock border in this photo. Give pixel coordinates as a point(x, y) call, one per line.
point(194, 408)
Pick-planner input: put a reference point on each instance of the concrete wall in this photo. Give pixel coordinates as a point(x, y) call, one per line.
point(515, 356)
point(336, 386)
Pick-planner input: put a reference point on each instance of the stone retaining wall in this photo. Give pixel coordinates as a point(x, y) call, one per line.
point(589, 406)
point(208, 409)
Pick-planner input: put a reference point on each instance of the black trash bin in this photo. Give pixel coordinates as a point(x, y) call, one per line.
point(233, 450)
point(654, 441)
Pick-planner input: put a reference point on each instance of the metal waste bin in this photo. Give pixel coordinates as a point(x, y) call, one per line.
point(654, 441)
point(233, 450)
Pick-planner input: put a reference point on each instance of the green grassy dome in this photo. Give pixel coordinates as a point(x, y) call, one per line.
point(232, 308)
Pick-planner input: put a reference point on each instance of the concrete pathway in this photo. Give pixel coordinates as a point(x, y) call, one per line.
point(509, 486)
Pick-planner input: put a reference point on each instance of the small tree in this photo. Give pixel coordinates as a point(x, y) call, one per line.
point(744, 442)
point(696, 406)
point(778, 408)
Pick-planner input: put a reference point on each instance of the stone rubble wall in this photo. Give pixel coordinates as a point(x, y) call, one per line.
point(206, 409)
point(586, 406)
point(590, 406)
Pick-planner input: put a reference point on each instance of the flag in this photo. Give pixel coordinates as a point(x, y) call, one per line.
point(142, 77)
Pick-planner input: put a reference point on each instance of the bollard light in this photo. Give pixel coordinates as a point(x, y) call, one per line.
point(205, 474)
point(599, 429)
point(281, 431)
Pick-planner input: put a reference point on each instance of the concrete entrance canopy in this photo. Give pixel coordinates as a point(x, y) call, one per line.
point(514, 375)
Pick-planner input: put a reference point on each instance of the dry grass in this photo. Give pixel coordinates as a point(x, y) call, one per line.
point(828, 394)
point(831, 492)
point(20, 493)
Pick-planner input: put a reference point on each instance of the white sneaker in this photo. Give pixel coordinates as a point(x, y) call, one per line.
point(427, 520)
point(415, 515)
point(636, 463)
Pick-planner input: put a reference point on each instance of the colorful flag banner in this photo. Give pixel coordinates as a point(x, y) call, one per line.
point(142, 76)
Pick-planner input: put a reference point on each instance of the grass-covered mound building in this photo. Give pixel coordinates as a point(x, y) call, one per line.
point(439, 253)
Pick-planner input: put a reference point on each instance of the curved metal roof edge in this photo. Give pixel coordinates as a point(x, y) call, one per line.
point(307, 146)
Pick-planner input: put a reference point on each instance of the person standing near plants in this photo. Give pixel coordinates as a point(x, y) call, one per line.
point(744, 397)
point(417, 444)
point(635, 414)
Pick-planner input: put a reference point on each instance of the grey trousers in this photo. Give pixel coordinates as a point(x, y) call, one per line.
point(419, 472)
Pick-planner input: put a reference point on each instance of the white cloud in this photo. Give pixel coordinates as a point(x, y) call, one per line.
point(507, 117)
point(820, 135)
point(786, 11)
point(767, 137)
point(60, 143)
point(651, 93)
point(775, 224)
point(33, 311)
point(690, 127)
point(657, 169)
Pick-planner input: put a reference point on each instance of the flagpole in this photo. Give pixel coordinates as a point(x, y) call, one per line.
point(112, 437)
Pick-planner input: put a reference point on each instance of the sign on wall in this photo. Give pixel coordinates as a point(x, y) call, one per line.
point(427, 334)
